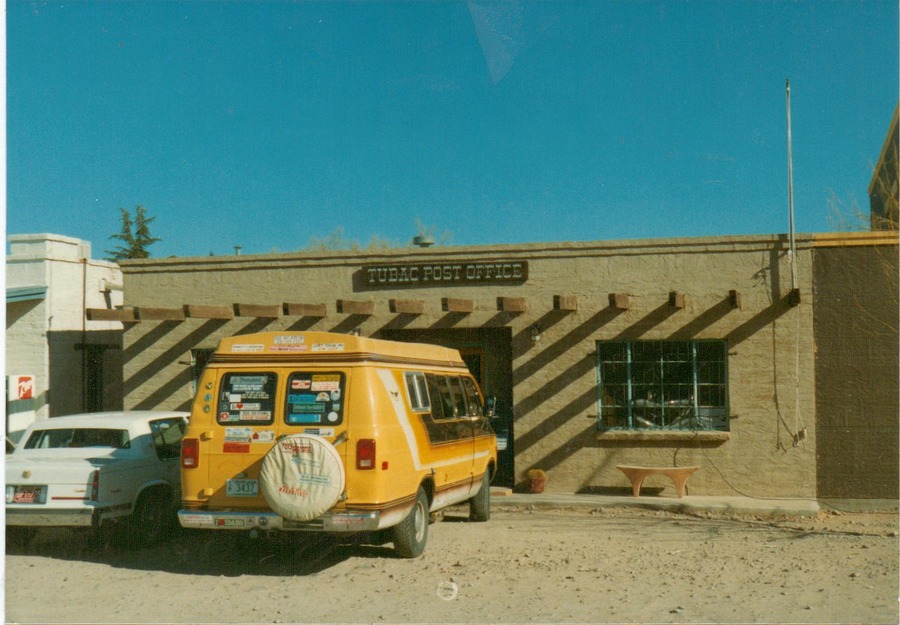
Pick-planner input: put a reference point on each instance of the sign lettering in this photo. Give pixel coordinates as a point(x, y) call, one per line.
point(436, 274)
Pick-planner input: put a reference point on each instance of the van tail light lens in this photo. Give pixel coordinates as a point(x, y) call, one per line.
point(365, 453)
point(190, 453)
point(95, 486)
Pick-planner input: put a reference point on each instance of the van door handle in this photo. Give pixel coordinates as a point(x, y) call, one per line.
point(342, 438)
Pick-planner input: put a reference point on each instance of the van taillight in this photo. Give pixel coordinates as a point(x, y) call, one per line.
point(190, 453)
point(95, 486)
point(365, 453)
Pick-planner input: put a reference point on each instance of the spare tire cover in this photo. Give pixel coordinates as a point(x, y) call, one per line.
point(301, 477)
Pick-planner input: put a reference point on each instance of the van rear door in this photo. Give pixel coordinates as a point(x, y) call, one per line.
point(256, 407)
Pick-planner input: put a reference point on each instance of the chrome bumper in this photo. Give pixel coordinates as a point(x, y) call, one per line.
point(344, 521)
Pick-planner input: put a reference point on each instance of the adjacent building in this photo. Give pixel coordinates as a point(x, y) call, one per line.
point(883, 190)
point(57, 361)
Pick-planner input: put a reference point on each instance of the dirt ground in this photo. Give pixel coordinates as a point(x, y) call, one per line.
point(524, 565)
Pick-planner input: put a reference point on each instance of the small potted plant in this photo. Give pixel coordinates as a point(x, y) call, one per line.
point(535, 480)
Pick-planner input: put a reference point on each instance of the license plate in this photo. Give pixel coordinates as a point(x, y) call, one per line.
point(28, 494)
point(242, 488)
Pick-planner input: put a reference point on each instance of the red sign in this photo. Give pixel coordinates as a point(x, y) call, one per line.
point(25, 387)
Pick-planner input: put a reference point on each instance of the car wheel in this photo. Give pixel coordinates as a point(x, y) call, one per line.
point(411, 533)
point(480, 504)
point(149, 519)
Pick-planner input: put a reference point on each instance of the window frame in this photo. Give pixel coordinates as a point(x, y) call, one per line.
point(417, 391)
point(643, 399)
point(339, 401)
point(224, 393)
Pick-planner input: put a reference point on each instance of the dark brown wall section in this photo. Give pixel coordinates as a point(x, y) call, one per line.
point(857, 363)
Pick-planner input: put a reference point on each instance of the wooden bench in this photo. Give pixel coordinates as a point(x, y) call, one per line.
point(637, 475)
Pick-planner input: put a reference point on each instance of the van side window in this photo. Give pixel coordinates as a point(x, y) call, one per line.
point(442, 406)
point(315, 398)
point(247, 397)
point(417, 391)
point(473, 398)
point(459, 397)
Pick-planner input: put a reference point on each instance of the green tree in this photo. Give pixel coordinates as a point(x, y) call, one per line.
point(135, 236)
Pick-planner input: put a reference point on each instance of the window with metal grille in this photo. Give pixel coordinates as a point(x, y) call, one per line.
point(663, 385)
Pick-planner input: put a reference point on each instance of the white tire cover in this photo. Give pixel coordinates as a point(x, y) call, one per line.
point(302, 477)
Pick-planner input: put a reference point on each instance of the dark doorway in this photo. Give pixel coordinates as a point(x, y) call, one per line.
point(488, 354)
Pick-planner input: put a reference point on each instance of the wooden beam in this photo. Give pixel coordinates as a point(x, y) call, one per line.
point(407, 306)
point(193, 311)
point(565, 302)
point(512, 304)
point(734, 299)
point(620, 301)
point(266, 311)
point(304, 310)
point(125, 315)
point(159, 314)
point(355, 307)
point(449, 304)
point(794, 297)
point(676, 299)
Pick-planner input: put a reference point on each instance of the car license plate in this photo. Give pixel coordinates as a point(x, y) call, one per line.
point(242, 488)
point(28, 494)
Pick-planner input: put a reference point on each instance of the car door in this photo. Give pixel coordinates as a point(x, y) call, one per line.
point(167, 434)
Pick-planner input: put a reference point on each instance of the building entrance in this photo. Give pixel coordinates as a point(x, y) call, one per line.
point(488, 354)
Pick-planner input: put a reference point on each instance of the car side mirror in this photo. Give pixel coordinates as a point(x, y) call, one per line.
point(490, 407)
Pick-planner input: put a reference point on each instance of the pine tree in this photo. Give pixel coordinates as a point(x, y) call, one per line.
point(135, 236)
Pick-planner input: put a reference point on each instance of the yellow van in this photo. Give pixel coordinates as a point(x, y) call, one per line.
point(314, 431)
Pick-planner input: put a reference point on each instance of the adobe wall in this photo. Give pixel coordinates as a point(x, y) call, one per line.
point(857, 365)
point(770, 450)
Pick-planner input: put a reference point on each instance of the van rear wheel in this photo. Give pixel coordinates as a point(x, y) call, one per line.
point(411, 533)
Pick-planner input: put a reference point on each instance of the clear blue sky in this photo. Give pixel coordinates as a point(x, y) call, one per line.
point(263, 124)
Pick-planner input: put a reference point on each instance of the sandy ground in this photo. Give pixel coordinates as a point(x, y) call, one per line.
point(599, 566)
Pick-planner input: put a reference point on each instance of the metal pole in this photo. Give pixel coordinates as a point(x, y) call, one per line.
point(791, 252)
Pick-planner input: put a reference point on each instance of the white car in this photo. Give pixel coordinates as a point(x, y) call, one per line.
point(88, 470)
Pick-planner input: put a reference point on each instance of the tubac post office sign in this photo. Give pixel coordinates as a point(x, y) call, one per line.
point(444, 274)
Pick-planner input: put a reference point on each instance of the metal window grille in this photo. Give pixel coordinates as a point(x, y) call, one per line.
point(663, 385)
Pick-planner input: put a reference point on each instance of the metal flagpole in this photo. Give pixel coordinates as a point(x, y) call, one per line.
point(790, 188)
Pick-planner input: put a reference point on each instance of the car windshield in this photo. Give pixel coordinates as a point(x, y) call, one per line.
point(60, 438)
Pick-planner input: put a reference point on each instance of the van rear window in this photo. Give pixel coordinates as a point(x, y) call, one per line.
point(315, 397)
point(247, 398)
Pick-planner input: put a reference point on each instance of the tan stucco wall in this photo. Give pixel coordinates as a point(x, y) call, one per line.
point(771, 371)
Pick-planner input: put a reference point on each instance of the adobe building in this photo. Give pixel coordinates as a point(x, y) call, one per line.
point(776, 373)
point(57, 361)
point(883, 189)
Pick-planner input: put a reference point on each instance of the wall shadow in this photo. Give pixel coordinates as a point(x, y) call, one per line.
point(148, 339)
point(554, 458)
point(551, 388)
point(257, 325)
point(397, 323)
point(349, 324)
point(154, 367)
point(304, 323)
point(759, 321)
point(560, 418)
point(703, 321)
point(17, 310)
point(647, 322)
point(564, 344)
point(449, 320)
point(166, 391)
point(523, 342)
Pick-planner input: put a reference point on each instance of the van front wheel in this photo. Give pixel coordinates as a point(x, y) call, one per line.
point(411, 533)
point(480, 504)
